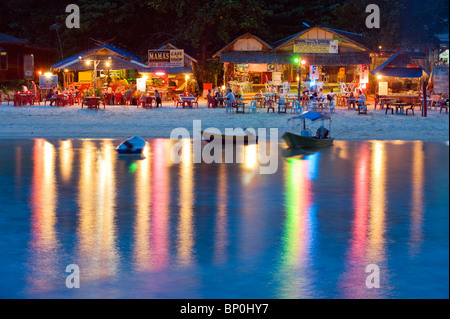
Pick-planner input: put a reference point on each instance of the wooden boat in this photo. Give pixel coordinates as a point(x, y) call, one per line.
point(244, 137)
point(296, 137)
point(132, 145)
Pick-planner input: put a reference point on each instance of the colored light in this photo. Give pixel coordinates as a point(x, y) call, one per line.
point(303, 62)
point(296, 60)
point(162, 74)
point(379, 76)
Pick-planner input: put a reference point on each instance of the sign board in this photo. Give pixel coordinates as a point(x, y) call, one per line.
point(270, 67)
point(316, 46)
point(440, 79)
point(48, 82)
point(28, 66)
point(177, 58)
point(383, 88)
point(363, 73)
point(276, 78)
point(166, 58)
point(313, 72)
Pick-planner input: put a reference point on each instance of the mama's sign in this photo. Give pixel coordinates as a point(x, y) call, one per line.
point(166, 58)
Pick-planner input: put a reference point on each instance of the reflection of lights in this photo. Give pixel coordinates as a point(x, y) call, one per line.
point(250, 156)
point(298, 232)
point(66, 158)
point(142, 247)
point(221, 219)
point(417, 172)
point(43, 205)
point(377, 202)
point(96, 200)
point(185, 237)
point(313, 166)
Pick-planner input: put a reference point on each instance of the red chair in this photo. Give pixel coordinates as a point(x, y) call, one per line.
point(211, 102)
point(269, 104)
point(195, 102)
point(128, 98)
point(17, 99)
point(118, 99)
point(37, 98)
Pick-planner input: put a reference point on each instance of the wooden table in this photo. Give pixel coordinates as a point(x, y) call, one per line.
point(352, 101)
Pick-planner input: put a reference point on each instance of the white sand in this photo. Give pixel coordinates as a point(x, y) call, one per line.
point(124, 121)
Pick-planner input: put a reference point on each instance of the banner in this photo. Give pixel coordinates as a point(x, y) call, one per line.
point(313, 72)
point(48, 82)
point(316, 46)
point(276, 78)
point(363, 73)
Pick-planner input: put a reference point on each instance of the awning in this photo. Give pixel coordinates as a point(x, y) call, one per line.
point(402, 72)
point(325, 59)
point(311, 115)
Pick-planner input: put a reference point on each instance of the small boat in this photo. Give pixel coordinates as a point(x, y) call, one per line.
point(245, 137)
point(132, 145)
point(297, 135)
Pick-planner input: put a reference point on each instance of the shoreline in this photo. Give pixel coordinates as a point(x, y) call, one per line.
point(120, 122)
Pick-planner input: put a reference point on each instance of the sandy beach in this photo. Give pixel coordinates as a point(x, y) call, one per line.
point(124, 121)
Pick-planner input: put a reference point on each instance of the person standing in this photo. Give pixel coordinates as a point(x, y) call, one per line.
point(230, 98)
point(158, 99)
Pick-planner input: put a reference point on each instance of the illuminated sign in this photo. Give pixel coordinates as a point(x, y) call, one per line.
point(166, 58)
point(315, 46)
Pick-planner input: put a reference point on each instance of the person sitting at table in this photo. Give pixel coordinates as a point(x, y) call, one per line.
point(361, 97)
point(230, 98)
point(211, 99)
point(158, 99)
point(51, 96)
point(331, 95)
point(320, 95)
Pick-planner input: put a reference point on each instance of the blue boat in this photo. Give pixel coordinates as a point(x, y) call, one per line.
point(132, 145)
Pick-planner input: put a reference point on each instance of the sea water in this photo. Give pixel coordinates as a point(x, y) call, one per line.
point(144, 227)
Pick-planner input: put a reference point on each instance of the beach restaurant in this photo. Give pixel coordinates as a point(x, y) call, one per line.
point(331, 57)
point(169, 70)
point(99, 65)
point(400, 77)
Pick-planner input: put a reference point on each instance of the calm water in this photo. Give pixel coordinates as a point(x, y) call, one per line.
point(148, 228)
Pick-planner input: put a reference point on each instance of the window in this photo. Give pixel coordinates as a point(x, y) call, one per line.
point(3, 61)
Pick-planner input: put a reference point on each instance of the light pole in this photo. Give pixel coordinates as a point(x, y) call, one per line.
point(299, 63)
point(96, 63)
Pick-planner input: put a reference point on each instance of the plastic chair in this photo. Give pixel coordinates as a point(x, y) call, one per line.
point(253, 106)
point(270, 106)
point(281, 106)
point(442, 106)
point(296, 107)
point(230, 107)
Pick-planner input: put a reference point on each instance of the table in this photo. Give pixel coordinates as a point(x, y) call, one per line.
point(240, 105)
point(92, 102)
point(320, 104)
point(62, 99)
point(26, 98)
point(399, 108)
point(187, 100)
point(352, 101)
point(260, 99)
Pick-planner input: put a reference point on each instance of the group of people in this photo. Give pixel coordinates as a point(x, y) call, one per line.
point(229, 96)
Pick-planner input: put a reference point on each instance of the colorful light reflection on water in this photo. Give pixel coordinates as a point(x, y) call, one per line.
point(149, 228)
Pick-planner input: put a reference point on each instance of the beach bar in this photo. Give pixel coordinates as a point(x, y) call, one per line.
point(98, 66)
point(169, 70)
point(333, 58)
